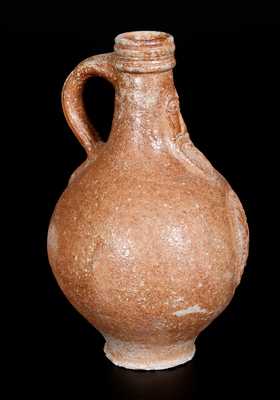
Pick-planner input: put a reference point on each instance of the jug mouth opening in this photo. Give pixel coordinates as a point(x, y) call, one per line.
point(138, 38)
point(144, 51)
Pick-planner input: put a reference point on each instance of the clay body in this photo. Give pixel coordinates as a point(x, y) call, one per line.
point(148, 241)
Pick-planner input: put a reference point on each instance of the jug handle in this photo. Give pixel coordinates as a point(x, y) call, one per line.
point(101, 65)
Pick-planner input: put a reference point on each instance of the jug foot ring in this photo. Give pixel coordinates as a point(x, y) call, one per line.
point(133, 355)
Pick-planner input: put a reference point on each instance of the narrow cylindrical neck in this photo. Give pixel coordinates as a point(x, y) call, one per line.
point(140, 103)
point(146, 103)
point(147, 113)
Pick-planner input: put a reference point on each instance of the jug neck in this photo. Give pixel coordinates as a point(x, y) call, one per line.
point(146, 105)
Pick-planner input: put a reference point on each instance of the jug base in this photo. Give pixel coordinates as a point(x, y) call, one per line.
point(148, 356)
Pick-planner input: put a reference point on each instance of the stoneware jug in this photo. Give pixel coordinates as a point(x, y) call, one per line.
point(148, 241)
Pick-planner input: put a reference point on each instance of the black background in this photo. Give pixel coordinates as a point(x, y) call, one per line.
point(223, 71)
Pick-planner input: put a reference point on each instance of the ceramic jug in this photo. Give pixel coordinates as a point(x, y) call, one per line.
point(148, 241)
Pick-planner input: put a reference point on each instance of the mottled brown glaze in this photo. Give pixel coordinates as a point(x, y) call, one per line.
point(148, 241)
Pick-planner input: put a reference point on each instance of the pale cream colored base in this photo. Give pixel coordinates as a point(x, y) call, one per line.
point(148, 356)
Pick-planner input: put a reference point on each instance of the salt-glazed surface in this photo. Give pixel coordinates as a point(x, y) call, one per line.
point(148, 241)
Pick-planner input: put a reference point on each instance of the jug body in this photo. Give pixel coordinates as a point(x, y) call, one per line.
point(148, 241)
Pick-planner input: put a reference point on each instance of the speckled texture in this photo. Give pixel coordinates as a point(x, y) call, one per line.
point(148, 241)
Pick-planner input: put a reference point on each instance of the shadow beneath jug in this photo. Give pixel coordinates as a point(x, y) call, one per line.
point(175, 383)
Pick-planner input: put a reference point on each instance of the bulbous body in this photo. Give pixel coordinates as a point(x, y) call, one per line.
point(148, 241)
